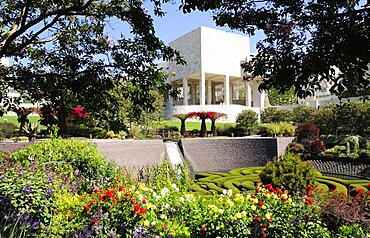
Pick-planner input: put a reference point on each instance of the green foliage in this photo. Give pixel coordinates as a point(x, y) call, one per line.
point(274, 115)
point(289, 173)
point(272, 129)
point(7, 129)
point(287, 129)
point(247, 118)
point(68, 156)
point(277, 98)
point(303, 114)
point(354, 231)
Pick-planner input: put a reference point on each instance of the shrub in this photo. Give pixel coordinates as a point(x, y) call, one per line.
point(287, 129)
point(342, 210)
point(111, 135)
point(272, 129)
point(303, 114)
point(274, 115)
point(7, 129)
point(247, 119)
point(289, 173)
point(68, 156)
point(307, 131)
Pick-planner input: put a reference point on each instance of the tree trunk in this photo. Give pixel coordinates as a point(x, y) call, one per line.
point(203, 129)
point(183, 128)
point(62, 123)
point(213, 128)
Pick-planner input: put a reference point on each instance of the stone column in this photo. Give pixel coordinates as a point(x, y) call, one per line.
point(193, 89)
point(209, 92)
point(248, 94)
point(202, 88)
point(262, 99)
point(227, 89)
point(185, 91)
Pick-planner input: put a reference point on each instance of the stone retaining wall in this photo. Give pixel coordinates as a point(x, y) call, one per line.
point(224, 154)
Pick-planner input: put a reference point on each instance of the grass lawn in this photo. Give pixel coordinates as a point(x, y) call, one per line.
point(13, 119)
point(190, 125)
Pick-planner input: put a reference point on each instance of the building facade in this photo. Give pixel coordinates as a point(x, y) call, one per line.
point(212, 79)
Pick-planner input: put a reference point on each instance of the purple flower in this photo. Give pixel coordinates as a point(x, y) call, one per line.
point(49, 192)
point(27, 189)
point(76, 172)
point(50, 179)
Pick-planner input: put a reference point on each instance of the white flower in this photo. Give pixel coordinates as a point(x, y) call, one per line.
point(167, 206)
point(224, 191)
point(174, 186)
point(181, 199)
point(162, 216)
point(230, 192)
point(140, 197)
point(154, 223)
point(164, 192)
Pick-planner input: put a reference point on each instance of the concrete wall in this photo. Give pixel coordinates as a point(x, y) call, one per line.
point(223, 51)
point(224, 154)
point(189, 46)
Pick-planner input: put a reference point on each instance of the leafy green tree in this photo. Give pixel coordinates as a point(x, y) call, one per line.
point(304, 40)
point(277, 98)
point(79, 64)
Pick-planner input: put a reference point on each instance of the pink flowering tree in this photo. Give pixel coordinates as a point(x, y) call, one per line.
point(202, 116)
point(213, 116)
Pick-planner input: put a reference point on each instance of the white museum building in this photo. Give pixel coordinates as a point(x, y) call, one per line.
point(212, 79)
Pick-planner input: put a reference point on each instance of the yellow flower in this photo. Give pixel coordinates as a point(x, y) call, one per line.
point(268, 216)
point(263, 207)
point(146, 223)
point(289, 199)
point(231, 203)
point(244, 213)
point(268, 195)
point(221, 211)
point(284, 196)
point(253, 207)
point(238, 215)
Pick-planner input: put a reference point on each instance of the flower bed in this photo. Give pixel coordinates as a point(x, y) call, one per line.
point(43, 199)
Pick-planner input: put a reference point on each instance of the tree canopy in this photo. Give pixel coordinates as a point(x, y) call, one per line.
point(65, 56)
point(308, 42)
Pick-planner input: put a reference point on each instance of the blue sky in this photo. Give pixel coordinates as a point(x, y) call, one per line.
point(175, 24)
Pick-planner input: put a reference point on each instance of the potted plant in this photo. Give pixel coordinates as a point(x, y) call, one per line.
point(31, 131)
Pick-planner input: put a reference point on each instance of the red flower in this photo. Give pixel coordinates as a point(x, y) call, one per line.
point(143, 201)
point(70, 215)
point(270, 219)
point(260, 203)
point(257, 219)
point(86, 207)
point(263, 234)
point(308, 200)
point(368, 185)
point(101, 198)
point(136, 207)
point(92, 201)
point(165, 227)
point(142, 211)
point(204, 228)
point(120, 188)
point(253, 196)
point(109, 194)
point(96, 190)
point(95, 220)
point(263, 225)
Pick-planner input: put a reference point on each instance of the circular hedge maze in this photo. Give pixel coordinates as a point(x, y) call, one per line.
point(243, 179)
